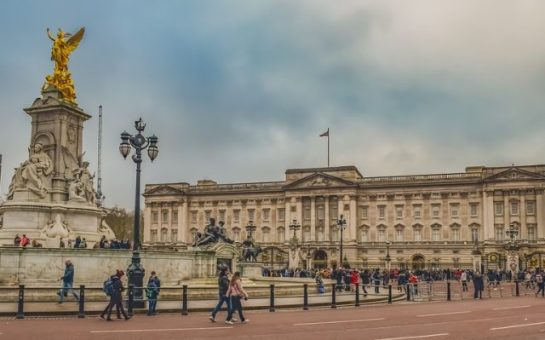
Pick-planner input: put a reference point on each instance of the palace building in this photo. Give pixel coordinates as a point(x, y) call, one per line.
point(451, 220)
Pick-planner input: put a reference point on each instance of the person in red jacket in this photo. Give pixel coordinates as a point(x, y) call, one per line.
point(354, 280)
point(25, 241)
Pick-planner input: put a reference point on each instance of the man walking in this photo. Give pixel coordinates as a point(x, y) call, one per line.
point(152, 291)
point(223, 286)
point(115, 297)
point(540, 283)
point(478, 283)
point(67, 282)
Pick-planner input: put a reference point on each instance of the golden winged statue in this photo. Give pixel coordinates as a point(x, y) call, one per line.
point(63, 45)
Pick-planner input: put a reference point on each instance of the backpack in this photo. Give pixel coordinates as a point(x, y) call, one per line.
point(108, 287)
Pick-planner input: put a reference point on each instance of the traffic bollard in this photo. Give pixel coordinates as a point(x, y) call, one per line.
point(333, 296)
point(21, 302)
point(81, 312)
point(271, 302)
point(131, 300)
point(389, 293)
point(305, 296)
point(357, 295)
point(184, 300)
point(448, 290)
point(408, 292)
point(517, 291)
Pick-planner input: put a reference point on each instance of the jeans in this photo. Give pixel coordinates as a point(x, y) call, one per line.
point(222, 299)
point(236, 305)
point(152, 304)
point(67, 288)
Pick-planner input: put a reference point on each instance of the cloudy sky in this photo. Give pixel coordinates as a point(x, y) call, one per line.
point(238, 91)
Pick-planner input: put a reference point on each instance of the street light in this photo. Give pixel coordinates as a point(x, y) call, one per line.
point(294, 226)
point(512, 247)
point(341, 223)
point(139, 143)
point(388, 258)
point(250, 228)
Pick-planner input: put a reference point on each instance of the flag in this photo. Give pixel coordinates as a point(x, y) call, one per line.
point(325, 134)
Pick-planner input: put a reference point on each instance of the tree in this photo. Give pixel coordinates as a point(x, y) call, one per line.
point(121, 222)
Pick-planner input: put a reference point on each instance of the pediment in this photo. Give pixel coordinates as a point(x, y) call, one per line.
point(163, 190)
point(514, 174)
point(319, 180)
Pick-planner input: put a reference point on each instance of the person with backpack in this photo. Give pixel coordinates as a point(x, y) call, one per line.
point(152, 291)
point(67, 282)
point(114, 288)
point(236, 293)
point(223, 287)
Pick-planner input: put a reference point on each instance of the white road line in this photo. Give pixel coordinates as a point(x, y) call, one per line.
point(518, 326)
point(514, 307)
point(332, 322)
point(161, 330)
point(439, 314)
point(416, 336)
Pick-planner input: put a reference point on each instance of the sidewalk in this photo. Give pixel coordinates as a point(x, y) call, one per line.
point(70, 307)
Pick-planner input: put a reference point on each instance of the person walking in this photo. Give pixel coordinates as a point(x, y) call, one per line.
point(67, 282)
point(152, 292)
point(540, 283)
point(463, 279)
point(236, 292)
point(223, 287)
point(115, 297)
point(478, 284)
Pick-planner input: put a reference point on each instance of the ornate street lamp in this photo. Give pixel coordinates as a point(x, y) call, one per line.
point(294, 226)
point(139, 143)
point(341, 223)
point(388, 258)
point(250, 228)
point(512, 248)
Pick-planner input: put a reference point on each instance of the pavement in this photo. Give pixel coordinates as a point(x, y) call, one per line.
point(507, 318)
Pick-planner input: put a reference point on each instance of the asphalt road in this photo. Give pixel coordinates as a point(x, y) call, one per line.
point(508, 318)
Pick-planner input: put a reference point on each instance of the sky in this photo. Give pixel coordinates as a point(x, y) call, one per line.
point(239, 91)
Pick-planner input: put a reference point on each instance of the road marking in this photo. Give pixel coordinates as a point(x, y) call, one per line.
point(514, 307)
point(518, 326)
point(416, 336)
point(332, 322)
point(439, 314)
point(161, 330)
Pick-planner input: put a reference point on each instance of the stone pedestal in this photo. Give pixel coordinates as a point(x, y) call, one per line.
point(250, 270)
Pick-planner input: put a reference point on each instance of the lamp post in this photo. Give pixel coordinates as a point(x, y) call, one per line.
point(294, 226)
point(136, 271)
point(341, 223)
point(512, 247)
point(294, 244)
point(250, 228)
point(387, 259)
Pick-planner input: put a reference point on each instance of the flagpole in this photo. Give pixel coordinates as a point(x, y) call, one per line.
point(328, 147)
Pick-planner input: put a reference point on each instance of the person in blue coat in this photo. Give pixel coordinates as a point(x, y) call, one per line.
point(67, 282)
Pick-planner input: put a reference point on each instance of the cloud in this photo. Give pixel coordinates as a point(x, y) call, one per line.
point(239, 91)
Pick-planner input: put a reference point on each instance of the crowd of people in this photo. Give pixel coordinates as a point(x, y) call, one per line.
point(78, 243)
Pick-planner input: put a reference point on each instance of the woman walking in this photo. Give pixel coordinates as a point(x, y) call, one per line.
point(236, 293)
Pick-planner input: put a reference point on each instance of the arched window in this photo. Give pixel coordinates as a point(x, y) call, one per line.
point(154, 235)
point(455, 232)
point(436, 232)
point(266, 232)
point(400, 230)
point(417, 232)
point(164, 234)
point(364, 233)
point(281, 234)
point(381, 233)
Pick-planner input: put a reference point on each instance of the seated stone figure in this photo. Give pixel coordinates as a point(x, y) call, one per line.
point(212, 234)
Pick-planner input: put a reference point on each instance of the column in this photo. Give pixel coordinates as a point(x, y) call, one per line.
point(169, 223)
point(313, 218)
point(488, 228)
point(299, 216)
point(327, 220)
point(539, 214)
point(352, 222)
point(522, 212)
point(506, 211)
point(183, 222)
point(147, 224)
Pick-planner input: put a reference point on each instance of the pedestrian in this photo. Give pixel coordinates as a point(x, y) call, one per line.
point(116, 296)
point(17, 240)
point(67, 282)
point(25, 241)
point(540, 283)
point(223, 287)
point(463, 278)
point(319, 283)
point(152, 291)
point(478, 284)
point(365, 281)
point(236, 292)
point(376, 280)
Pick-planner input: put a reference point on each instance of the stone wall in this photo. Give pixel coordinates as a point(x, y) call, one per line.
point(44, 266)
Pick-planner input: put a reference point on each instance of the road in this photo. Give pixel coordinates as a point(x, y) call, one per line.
point(508, 318)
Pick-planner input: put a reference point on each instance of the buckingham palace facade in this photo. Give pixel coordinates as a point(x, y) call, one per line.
point(421, 221)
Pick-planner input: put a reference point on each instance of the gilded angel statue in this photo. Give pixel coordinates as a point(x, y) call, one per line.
point(63, 45)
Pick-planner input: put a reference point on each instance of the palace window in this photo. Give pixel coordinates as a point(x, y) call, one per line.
point(321, 212)
point(306, 234)
point(498, 208)
point(222, 215)
point(281, 234)
point(175, 218)
point(320, 234)
point(207, 215)
point(399, 234)
point(236, 215)
point(251, 214)
point(334, 234)
point(474, 234)
point(417, 234)
point(473, 209)
point(364, 213)
point(436, 234)
point(455, 233)
point(399, 212)
point(306, 213)
point(266, 234)
point(164, 235)
point(435, 210)
point(174, 235)
point(417, 211)
point(499, 232)
point(381, 211)
point(266, 213)
point(530, 207)
point(454, 210)
point(364, 235)
point(154, 217)
point(514, 208)
point(236, 234)
point(193, 217)
point(164, 216)
point(382, 235)
point(154, 235)
point(532, 237)
point(281, 214)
